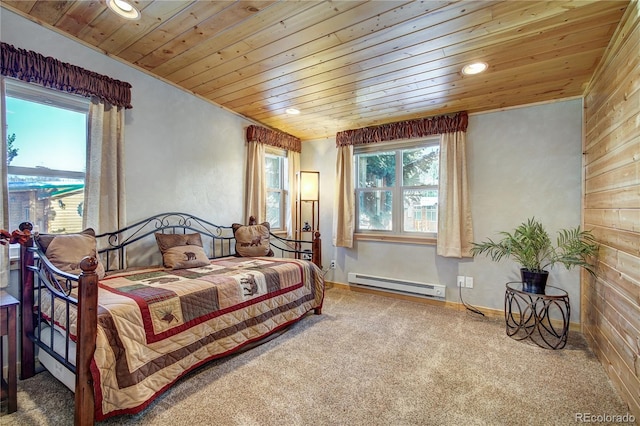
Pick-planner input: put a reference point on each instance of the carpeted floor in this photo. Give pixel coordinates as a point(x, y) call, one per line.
point(370, 360)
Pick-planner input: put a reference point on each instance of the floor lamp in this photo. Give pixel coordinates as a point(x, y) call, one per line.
point(308, 204)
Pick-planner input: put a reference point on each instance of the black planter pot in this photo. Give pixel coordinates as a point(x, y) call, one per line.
point(534, 282)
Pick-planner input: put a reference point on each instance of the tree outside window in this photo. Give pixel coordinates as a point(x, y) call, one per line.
point(397, 189)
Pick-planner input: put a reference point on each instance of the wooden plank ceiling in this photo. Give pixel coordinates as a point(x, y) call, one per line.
point(350, 64)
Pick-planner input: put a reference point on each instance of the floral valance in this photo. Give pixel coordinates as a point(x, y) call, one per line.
point(404, 130)
point(33, 67)
point(273, 138)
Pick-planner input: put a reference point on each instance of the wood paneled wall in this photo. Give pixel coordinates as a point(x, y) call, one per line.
point(611, 302)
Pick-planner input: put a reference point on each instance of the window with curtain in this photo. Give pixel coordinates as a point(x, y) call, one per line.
point(396, 187)
point(276, 171)
point(102, 133)
point(46, 157)
point(273, 158)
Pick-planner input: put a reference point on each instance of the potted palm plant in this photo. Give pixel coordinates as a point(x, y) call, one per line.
point(530, 246)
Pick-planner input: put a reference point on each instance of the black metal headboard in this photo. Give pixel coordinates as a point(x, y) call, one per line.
point(218, 241)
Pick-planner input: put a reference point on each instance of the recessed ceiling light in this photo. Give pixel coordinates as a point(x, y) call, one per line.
point(124, 9)
point(474, 68)
point(292, 111)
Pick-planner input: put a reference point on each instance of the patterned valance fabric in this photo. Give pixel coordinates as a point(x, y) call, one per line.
point(404, 130)
point(273, 138)
point(33, 67)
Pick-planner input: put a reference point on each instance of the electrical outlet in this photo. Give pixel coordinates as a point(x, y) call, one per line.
point(332, 265)
point(460, 281)
point(468, 281)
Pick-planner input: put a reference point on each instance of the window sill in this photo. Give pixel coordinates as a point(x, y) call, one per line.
point(431, 241)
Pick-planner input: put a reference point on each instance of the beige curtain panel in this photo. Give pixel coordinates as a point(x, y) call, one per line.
point(344, 201)
point(293, 158)
point(255, 196)
point(105, 205)
point(455, 227)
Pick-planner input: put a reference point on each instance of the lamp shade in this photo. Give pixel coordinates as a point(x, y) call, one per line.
point(309, 186)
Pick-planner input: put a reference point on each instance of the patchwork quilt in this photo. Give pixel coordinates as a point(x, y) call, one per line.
point(155, 325)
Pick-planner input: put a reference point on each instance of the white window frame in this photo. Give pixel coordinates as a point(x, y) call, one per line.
point(397, 190)
point(281, 154)
point(38, 94)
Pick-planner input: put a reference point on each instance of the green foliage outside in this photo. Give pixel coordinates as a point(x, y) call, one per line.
point(418, 166)
point(11, 151)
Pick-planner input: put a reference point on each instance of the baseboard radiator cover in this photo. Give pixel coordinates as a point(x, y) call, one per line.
point(437, 291)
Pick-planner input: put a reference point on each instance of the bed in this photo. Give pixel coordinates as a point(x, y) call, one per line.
point(121, 316)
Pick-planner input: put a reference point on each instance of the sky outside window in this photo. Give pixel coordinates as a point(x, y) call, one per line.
point(47, 136)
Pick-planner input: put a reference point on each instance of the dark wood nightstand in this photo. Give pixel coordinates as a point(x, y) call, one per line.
point(8, 314)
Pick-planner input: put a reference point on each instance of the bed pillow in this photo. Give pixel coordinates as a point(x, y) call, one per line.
point(252, 240)
point(181, 251)
point(65, 251)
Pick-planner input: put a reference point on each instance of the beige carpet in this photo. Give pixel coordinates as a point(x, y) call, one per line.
point(370, 360)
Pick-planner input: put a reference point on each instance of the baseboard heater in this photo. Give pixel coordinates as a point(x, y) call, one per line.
point(403, 286)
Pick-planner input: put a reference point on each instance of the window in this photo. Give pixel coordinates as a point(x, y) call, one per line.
point(46, 144)
point(397, 188)
point(276, 175)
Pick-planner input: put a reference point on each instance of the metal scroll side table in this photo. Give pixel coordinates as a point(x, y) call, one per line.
point(529, 315)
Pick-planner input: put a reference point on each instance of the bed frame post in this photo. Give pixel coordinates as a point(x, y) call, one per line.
point(317, 250)
point(27, 353)
point(87, 325)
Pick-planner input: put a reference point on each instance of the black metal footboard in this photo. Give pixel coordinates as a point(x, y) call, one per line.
point(47, 306)
point(54, 311)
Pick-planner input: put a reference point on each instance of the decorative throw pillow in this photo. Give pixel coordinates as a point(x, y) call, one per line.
point(252, 240)
point(183, 257)
point(181, 251)
point(166, 241)
point(66, 251)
